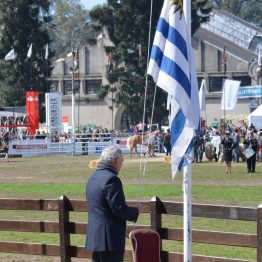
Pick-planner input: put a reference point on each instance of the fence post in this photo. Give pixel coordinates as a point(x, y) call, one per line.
point(64, 229)
point(156, 220)
point(156, 217)
point(259, 233)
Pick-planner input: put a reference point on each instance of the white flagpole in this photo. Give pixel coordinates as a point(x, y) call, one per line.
point(187, 182)
point(187, 190)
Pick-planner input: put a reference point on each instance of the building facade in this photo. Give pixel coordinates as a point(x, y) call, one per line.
point(226, 39)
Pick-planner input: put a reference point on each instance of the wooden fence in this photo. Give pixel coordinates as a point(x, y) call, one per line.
point(156, 208)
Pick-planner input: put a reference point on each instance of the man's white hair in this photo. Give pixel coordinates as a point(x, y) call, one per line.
point(110, 153)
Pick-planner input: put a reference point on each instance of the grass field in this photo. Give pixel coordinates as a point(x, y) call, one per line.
point(50, 177)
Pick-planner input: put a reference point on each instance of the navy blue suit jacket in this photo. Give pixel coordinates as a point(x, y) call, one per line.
point(107, 211)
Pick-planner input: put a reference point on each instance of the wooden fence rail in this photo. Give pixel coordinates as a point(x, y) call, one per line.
point(156, 208)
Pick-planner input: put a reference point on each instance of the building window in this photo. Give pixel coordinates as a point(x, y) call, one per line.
point(54, 86)
point(68, 87)
point(215, 84)
point(92, 87)
point(245, 80)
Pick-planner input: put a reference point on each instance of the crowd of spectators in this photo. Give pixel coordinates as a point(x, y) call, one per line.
point(239, 136)
point(207, 134)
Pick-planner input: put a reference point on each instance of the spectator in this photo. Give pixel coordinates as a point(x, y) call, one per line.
point(160, 140)
point(107, 209)
point(251, 143)
point(167, 142)
point(251, 127)
point(140, 127)
point(228, 145)
point(136, 130)
point(131, 130)
point(215, 141)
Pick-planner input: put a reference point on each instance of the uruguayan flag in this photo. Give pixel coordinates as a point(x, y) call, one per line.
point(172, 68)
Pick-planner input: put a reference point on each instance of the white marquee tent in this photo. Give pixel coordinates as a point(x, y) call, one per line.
point(255, 118)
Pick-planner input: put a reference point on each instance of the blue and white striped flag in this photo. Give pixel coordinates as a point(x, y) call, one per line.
point(172, 68)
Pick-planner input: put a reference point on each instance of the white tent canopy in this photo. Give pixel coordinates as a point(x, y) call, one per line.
point(255, 118)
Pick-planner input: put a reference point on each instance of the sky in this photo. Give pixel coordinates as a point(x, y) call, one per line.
point(88, 4)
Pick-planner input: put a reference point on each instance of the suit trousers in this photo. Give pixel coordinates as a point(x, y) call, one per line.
point(251, 164)
point(106, 256)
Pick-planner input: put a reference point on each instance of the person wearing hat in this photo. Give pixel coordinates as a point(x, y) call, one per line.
point(251, 142)
point(228, 145)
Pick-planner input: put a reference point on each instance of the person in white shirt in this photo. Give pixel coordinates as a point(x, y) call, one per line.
point(215, 141)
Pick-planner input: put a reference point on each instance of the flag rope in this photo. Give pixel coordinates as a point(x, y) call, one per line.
point(142, 166)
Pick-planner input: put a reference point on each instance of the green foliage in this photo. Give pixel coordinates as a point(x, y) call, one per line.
point(127, 24)
point(67, 15)
point(249, 10)
point(200, 13)
point(22, 24)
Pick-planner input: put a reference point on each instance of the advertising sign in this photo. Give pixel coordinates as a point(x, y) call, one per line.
point(32, 111)
point(122, 143)
point(65, 120)
point(250, 91)
point(53, 112)
point(29, 147)
point(97, 147)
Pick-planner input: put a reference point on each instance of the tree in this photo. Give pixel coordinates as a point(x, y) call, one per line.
point(22, 25)
point(249, 10)
point(127, 24)
point(200, 13)
point(68, 14)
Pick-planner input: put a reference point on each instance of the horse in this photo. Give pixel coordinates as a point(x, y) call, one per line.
point(148, 140)
point(212, 153)
point(4, 142)
point(209, 151)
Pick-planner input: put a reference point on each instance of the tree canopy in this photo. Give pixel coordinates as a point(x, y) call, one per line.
point(127, 24)
point(67, 16)
point(249, 10)
point(22, 25)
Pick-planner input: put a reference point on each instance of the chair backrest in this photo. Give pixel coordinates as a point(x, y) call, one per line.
point(145, 245)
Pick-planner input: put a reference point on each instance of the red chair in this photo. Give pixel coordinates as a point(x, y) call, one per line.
point(145, 245)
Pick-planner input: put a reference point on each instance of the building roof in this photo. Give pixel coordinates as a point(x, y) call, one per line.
point(240, 38)
point(257, 112)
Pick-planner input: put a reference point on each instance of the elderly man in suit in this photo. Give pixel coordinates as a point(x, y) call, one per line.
point(107, 209)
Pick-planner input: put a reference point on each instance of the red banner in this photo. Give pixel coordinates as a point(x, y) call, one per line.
point(32, 111)
point(64, 119)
